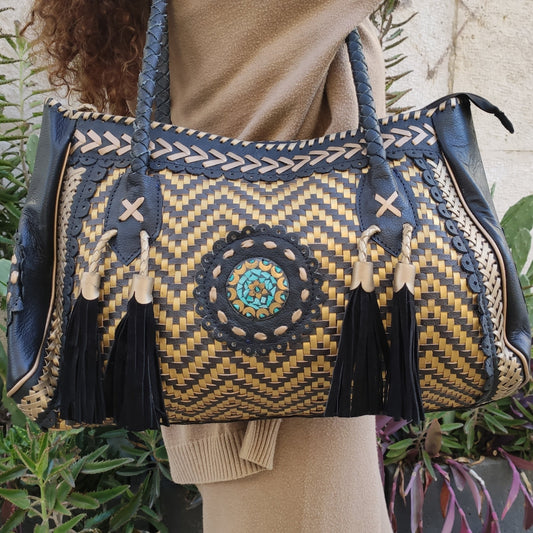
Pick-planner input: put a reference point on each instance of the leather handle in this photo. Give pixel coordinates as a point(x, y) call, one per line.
point(379, 183)
point(156, 36)
point(154, 89)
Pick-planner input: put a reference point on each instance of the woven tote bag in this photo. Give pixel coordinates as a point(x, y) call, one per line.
point(167, 275)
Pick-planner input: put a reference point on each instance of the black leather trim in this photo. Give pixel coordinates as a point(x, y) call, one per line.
point(386, 185)
point(35, 243)
point(457, 139)
point(132, 187)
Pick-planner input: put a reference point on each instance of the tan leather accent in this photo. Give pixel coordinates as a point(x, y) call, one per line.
point(141, 287)
point(90, 285)
point(404, 274)
point(497, 253)
point(363, 274)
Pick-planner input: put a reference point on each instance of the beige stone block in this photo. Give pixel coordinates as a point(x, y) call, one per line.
point(484, 47)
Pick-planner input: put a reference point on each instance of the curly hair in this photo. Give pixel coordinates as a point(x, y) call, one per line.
point(92, 48)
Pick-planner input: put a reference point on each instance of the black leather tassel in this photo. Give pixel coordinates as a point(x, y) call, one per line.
point(81, 395)
point(358, 378)
point(133, 391)
point(404, 394)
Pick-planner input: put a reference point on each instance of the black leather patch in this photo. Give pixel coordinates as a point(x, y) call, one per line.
point(134, 205)
point(259, 290)
point(35, 252)
point(384, 200)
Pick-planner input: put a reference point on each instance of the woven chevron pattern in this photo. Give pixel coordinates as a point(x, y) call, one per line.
point(206, 381)
point(213, 187)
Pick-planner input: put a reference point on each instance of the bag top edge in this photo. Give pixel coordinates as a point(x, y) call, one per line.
point(77, 113)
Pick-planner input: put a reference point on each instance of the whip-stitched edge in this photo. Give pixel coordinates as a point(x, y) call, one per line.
point(505, 370)
point(460, 244)
point(41, 395)
point(401, 117)
point(196, 152)
point(293, 325)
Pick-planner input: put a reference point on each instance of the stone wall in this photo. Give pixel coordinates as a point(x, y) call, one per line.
point(479, 46)
point(484, 47)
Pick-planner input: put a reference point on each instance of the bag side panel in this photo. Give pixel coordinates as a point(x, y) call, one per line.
point(457, 138)
point(31, 283)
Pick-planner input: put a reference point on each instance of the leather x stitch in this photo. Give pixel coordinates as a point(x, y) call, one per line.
point(131, 210)
point(386, 205)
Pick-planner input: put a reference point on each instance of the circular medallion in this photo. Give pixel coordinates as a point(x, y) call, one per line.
point(259, 290)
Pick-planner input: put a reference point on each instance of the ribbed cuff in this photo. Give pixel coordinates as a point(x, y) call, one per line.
point(259, 443)
point(222, 456)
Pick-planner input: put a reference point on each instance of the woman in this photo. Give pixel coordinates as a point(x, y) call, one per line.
point(256, 71)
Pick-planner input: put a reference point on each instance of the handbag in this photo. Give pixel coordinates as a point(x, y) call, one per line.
point(166, 275)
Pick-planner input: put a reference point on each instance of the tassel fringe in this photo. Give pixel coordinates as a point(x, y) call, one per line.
point(404, 396)
point(358, 378)
point(133, 391)
point(80, 387)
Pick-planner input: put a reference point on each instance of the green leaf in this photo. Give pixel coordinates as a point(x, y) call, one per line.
point(494, 425)
point(67, 526)
point(126, 513)
point(25, 459)
point(5, 267)
point(83, 501)
point(31, 150)
point(451, 443)
point(61, 509)
point(50, 495)
point(98, 518)
point(42, 463)
point(103, 496)
point(12, 473)
point(447, 428)
point(469, 429)
point(526, 412)
point(97, 453)
point(98, 467)
point(13, 521)
point(58, 469)
point(429, 464)
point(154, 519)
point(401, 445)
point(520, 246)
point(519, 215)
point(17, 497)
point(79, 464)
point(67, 476)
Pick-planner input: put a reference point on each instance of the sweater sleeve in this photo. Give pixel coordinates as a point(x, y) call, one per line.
point(209, 453)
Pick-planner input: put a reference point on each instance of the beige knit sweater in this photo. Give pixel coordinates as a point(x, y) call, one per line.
point(256, 70)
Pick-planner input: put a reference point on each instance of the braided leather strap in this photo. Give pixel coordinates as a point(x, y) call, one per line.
point(368, 120)
point(154, 91)
point(147, 87)
point(162, 82)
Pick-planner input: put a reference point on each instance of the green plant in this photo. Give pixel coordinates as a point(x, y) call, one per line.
point(447, 444)
point(92, 479)
point(43, 472)
point(19, 125)
point(517, 224)
point(97, 479)
point(391, 35)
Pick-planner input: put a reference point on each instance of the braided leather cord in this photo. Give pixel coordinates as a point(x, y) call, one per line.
point(368, 120)
point(147, 87)
point(154, 88)
point(162, 82)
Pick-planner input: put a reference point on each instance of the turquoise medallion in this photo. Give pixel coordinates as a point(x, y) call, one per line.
point(257, 288)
